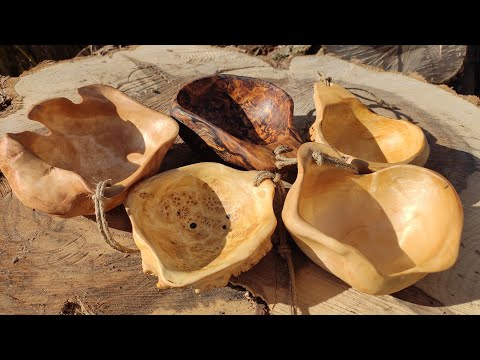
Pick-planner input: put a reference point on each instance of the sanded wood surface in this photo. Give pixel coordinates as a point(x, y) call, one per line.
point(48, 263)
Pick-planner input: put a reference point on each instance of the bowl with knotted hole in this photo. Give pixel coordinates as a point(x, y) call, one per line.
point(202, 223)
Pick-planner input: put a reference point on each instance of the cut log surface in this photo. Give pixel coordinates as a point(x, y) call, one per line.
point(50, 265)
point(436, 63)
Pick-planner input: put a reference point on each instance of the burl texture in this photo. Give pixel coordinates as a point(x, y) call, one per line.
point(241, 119)
point(199, 224)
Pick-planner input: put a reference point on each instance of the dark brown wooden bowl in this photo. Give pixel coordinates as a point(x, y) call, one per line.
point(241, 119)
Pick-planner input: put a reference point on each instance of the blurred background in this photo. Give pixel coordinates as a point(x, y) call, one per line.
point(454, 66)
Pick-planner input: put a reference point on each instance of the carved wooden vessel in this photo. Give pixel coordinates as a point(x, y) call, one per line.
point(199, 224)
point(369, 141)
point(241, 119)
point(378, 232)
point(106, 136)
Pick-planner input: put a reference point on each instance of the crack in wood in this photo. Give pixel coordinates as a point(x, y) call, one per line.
point(148, 67)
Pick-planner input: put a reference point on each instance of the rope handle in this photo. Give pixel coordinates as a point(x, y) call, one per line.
point(319, 157)
point(327, 80)
point(282, 247)
point(99, 202)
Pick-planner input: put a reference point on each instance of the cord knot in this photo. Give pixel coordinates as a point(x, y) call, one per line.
point(322, 158)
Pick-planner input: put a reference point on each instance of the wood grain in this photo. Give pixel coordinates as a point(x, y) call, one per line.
point(243, 120)
point(436, 63)
point(52, 267)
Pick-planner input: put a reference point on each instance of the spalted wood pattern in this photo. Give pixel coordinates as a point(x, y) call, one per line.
point(436, 63)
point(42, 265)
point(241, 119)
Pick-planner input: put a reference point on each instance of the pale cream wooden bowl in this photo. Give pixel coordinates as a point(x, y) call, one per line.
point(200, 224)
point(369, 141)
point(378, 232)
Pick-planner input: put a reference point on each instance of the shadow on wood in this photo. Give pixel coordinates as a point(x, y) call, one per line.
point(457, 166)
point(303, 123)
point(270, 279)
point(436, 63)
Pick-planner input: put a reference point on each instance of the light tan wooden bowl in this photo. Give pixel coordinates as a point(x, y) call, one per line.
point(369, 141)
point(378, 232)
point(200, 224)
point(106, 136)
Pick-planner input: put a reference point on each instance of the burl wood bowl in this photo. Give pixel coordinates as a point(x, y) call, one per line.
point(106, 136)
point(200, 224)
point(241, 119)
point(378, 232)
point(369, 141)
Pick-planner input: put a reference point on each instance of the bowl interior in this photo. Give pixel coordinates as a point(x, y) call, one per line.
point(398, 218)
point(352, 129)
point(249, 109)
point(104, 137)
point(198, 221)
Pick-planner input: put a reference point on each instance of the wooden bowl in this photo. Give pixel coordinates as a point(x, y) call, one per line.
point(106, 136)
point(199, 224)
point(378, 232)
point(242, 119)
point(369, 141)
